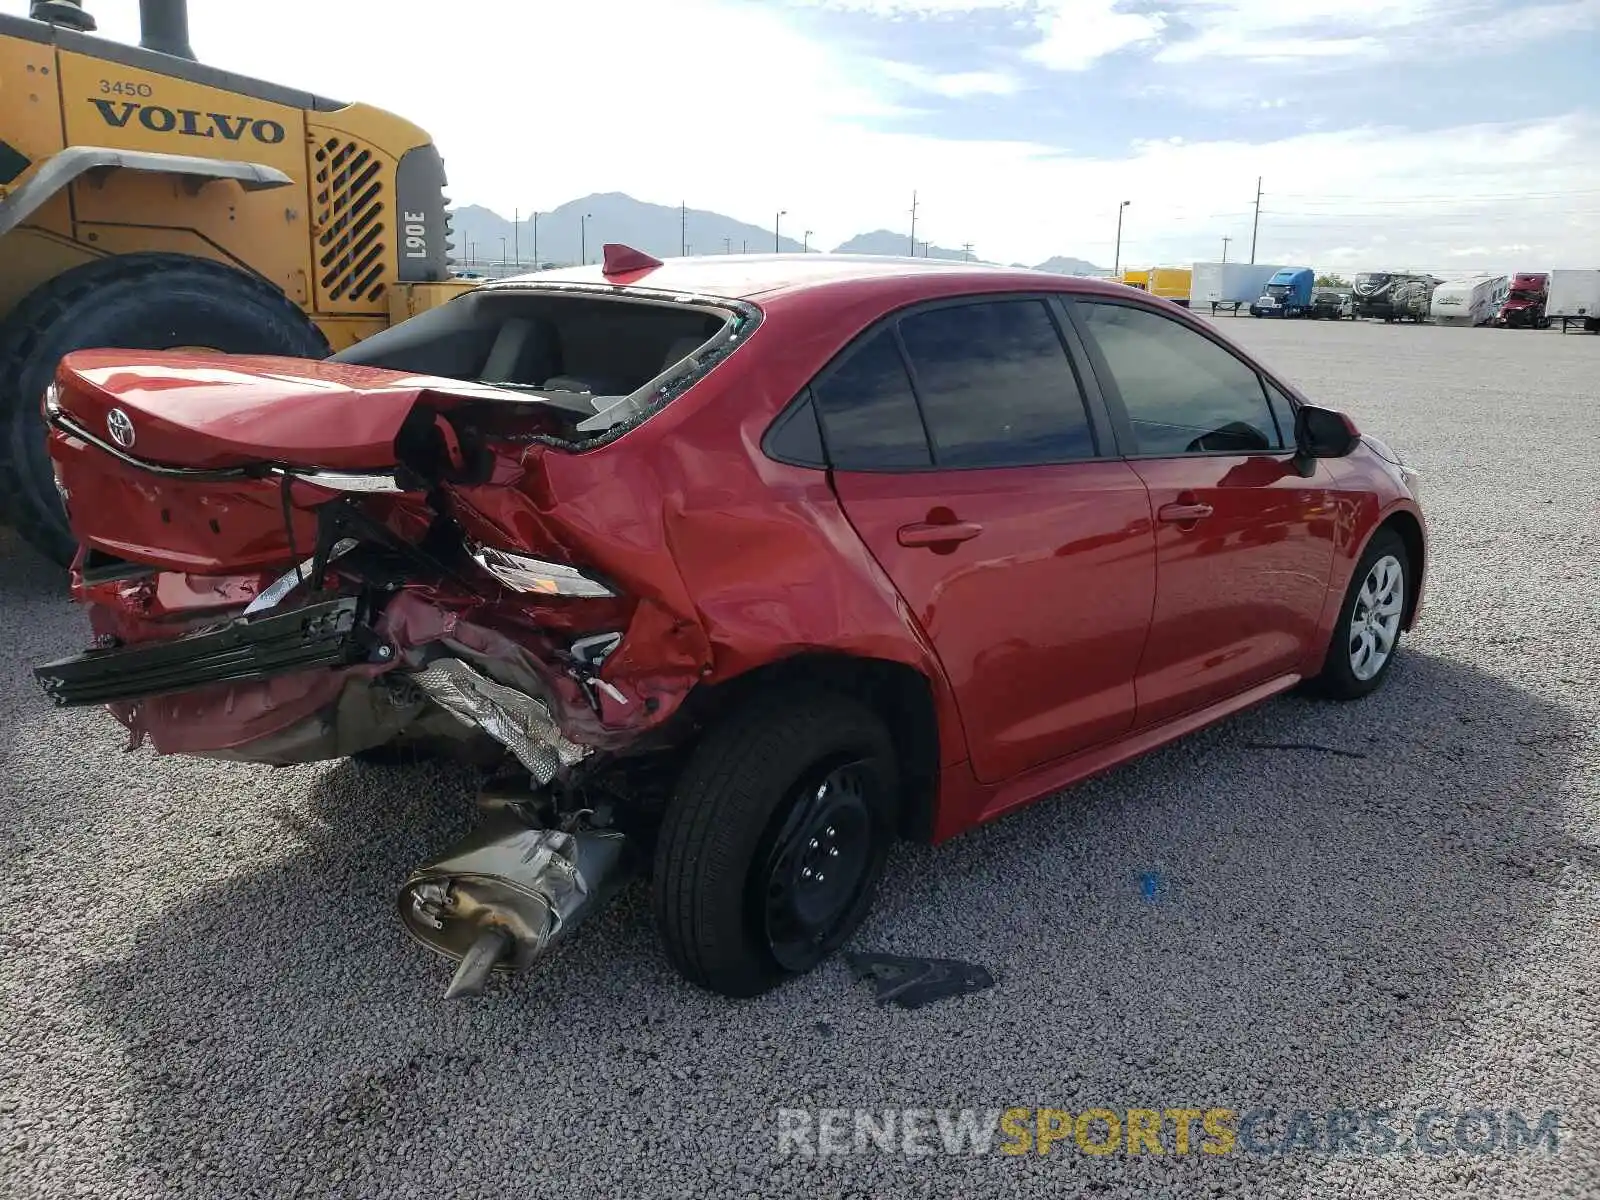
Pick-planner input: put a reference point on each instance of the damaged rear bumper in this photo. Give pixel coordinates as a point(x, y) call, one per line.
point(319, 635)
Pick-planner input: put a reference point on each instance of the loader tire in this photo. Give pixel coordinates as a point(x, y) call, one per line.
point(775, 799)
point(131, 301)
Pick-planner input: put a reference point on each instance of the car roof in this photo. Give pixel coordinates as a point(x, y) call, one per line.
point(752, 276)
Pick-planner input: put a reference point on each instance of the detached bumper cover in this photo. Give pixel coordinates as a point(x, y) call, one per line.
point(318, 635)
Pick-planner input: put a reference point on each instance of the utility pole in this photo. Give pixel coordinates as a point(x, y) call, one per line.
point(536, 239)
point(745, 244)
point(1116, 263)
point(913, 224)
point(1256, 224)
point(727, 245)
point(1225, 242)
point(683, 228)
point(805, 243)
point(583, 238)
point(516, 235)
point(502, 252)
point(966, 251)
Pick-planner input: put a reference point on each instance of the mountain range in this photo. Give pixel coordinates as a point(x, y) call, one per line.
point(576, 230)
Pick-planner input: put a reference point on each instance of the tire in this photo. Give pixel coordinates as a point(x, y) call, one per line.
point(136, 301)
point(739, 832)
point(1340, 679)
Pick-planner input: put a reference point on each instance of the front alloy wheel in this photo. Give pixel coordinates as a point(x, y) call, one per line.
point(1367, 633)
point(1375, 619)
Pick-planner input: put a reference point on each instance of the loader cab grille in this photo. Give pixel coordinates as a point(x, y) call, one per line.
point(350, 251)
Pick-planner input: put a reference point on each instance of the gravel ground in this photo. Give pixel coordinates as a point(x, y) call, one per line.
point(204, 989)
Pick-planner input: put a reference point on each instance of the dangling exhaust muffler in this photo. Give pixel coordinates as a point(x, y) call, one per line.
point(507, 894)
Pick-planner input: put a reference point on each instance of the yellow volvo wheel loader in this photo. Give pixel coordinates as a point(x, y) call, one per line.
point(149, 201)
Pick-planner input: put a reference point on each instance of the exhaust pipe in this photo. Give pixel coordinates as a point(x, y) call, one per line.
point(164, 27)
point(68, 14)
point(508, 893)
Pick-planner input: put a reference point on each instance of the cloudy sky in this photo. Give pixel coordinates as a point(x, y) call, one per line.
point(1437, 134)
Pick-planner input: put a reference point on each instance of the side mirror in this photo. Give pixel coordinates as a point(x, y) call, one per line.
point(1323, 433)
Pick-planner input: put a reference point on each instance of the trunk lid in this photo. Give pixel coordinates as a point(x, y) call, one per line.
point(209, 412)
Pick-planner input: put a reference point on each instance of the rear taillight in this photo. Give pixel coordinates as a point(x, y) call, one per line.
point(537, 577)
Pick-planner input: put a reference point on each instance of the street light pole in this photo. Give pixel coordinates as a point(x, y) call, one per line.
point(805, 243)
point(1116, 264)
point(583, 239)
point(502, 252)
point(776, 222)
point(536, 239)
point(1225, 242)
point(516, 234)
point(1255, 225)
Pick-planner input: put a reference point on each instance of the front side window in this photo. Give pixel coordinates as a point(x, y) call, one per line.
point(996, 386)
point(1183, 393)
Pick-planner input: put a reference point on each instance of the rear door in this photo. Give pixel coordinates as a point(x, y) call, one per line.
point(967, 455)
point(1244, 543)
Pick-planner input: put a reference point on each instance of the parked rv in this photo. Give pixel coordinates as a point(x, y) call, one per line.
point(1524, 306)
point(1333, 303)
point(1575, 299)
point(1411, 298)
point(1287, 293)
point(1474, 300)
point(1375, 294)
point(1228, 285)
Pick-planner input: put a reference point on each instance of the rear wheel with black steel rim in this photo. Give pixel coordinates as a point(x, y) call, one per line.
point(774, 841)
point(1367, 633)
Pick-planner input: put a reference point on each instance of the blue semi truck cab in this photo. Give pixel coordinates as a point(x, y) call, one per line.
point(1287, 294)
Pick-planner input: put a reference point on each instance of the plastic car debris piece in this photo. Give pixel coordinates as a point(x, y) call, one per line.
point(912, 982)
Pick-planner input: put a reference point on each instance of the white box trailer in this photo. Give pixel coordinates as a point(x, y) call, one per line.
point(1216, 284)
point(1473, 300)
point(1575, 298)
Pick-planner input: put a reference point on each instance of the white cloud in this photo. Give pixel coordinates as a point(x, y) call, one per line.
point(910, 8)
point(958, 85)
point(1075, 34)
point(1332, 30)
point(723, 104)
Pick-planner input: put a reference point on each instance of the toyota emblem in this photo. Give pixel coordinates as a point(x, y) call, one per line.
point(120, 426)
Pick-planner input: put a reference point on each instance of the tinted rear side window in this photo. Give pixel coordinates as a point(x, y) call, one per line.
point(1183, 393)
point(996, 386)
point(869, 412)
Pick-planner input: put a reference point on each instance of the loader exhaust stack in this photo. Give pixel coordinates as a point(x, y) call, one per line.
point(164, 27)
point(508, 893)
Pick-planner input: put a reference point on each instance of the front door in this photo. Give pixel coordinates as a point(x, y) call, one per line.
point(1244, 543)
point(1026, 557)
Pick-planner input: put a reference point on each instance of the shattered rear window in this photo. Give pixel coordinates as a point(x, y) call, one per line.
point(607, 360)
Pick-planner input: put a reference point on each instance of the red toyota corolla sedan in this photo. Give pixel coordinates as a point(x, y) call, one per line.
point(737, 568)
